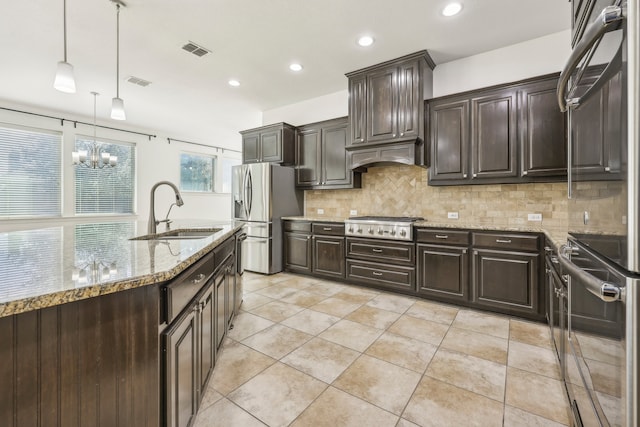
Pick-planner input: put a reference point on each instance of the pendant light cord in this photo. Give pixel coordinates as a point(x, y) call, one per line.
point(117, 51)
point(64, 20)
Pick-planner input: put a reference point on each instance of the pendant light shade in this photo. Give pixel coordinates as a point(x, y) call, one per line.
point(117, 104)
point(65, 82)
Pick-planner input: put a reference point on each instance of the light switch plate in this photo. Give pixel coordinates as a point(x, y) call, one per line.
point(452, 215)
point(320, 211)
point(534, 217)
point(353, 212)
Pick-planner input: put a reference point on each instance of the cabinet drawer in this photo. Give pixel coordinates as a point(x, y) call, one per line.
point(507, 241)
point(300, 226)
point(331, 229)
point(391, 276)
point(223, 251)
point(442, 237)
point(380, 250)
point(185, 287)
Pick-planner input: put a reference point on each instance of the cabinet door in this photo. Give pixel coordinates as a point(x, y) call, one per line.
point(251, 148)
point(410, 122)
point(328, 256)
point(206, 338)
point(542, 130)
point(334, 156)
point(297, 252)
point(358, 108)
point(221, 298)
point(382, 105)
point(271, 146)
point(493, 135)
point(588, 136)
point(507, 281)
point(230, 293)
point(308, 156)
point(443, 272)
point(180, 351)
point(449, 124)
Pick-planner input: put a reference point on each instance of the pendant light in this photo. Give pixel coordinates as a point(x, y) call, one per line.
point(95, 158)
point(117, 104)
point(65, 81)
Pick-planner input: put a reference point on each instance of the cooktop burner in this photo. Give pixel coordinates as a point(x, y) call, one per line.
point(388, 218)
point(381, 227)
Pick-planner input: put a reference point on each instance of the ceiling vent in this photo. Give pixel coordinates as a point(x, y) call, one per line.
point(197, 50)
point(138, 81)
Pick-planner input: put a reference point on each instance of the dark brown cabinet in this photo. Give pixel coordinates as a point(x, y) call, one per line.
point(297, 246)
point(328, 249)
point(206, 312)
point(321, 158)
point(506, 273)
point(273, 144)
point(443, 264)
point(449, 124)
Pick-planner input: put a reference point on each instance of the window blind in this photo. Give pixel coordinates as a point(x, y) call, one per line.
point(30, 172)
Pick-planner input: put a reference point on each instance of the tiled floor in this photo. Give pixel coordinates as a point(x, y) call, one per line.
point(310, 352)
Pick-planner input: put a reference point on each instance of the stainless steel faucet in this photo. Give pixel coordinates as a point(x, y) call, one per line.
point(151, 228)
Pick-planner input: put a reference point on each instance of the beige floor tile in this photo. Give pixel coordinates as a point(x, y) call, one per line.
point(373, 316)
point(277, 340)
point(423, 330)
point(321, 359)
point(438, 404)
point(470, 373)
point(475, 344)
point(277, 311)
point(405, 423)
point(396, 303)
point(537, 394)
point(236, 365)
point(489, 324)
point(304, 298)
point(351, 334)
point(605, 378)
point(335, 408)
point(210, 397)
point(433, 312)
point(225, 414)
point(299, 282)
point(356, 295)
point(277, 291)
point(278, 395)
point(310, 321)
point(335, 306)
point(402, 351)
point(515, 417)
point(385, 385)
point(530, 333)
point(601, 349)
point(538, 360)
point(246, 324)
point(327, 288)
point(611, 406)
point(254, 300)
point(255, 284)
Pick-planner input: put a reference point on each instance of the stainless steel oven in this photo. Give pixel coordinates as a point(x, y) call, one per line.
point(601, 261)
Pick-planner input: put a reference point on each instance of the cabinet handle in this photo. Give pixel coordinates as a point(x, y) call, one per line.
point(475, 175)
point(441, 236)
point(401, 133)
point(525, 173)
point(198, 278)
point(375, 273)
point(464, 251)
point(376, 250)
point(327, 228)
point(503, 240)
point(361, 139)
point(394, 135)
point(308, 237)
point(464, 175)
point(548, 249)
point(554, 259)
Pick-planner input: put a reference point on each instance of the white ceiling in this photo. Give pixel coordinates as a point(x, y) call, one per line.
point(251, 40)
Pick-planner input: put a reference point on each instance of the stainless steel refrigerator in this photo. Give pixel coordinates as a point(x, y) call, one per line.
point(262, 193)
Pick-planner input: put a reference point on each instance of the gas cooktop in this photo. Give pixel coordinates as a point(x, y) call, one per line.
point(381, 227)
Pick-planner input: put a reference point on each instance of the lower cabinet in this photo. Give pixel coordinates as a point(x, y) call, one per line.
point(297, 252)
point(328, 256)
point(314, 248)
point(443, 272)
point(221, 303)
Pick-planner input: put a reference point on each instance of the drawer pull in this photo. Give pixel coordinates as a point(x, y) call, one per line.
point(376, 273)
point(441, 236)
point(503, 240)
point(376, 250)
point(326, 228)
point(198, 278)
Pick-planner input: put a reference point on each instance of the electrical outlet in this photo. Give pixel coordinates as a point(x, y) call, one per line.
point(452, 215)
point(320, 211)
point(534, 217)
point(353, 212)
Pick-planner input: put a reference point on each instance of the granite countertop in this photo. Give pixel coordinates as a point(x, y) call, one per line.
point(51, 266)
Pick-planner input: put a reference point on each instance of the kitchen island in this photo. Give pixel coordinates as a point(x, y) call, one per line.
point(84, 312)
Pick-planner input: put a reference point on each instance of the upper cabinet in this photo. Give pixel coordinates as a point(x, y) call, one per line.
point(273, 144)
point(321, 159)
point(508, 133)
point(386, 111)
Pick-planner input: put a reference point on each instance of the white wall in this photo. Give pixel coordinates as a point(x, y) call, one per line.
point(311, 110)
point(156, 161)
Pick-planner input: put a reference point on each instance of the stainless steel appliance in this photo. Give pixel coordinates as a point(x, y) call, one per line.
point(262, 193)
point(381, 227)
point(599, 299)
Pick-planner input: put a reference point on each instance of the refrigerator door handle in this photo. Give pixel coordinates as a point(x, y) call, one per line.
point(249, 196)
point(606, 291)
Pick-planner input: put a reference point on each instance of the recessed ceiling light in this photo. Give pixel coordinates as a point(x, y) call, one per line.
point(295, 67)
point(452, 9)
point(365, 41)
point(234, 83)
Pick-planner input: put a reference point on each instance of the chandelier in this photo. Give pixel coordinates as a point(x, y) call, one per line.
point(94, 158)
point(94, 272)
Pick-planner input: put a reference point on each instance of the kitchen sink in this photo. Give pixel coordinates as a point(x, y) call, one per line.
point(180, 234)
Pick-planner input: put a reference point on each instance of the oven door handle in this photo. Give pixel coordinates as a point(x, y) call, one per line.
point(608, 21)
point(606, 291)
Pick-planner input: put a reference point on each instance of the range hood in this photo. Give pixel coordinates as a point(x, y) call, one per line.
point(385, 154)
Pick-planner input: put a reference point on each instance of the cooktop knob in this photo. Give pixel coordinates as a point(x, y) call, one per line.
point(370, 230)
point(350, 229)
point(359, 230)
point(403, 233)
point(379, 230)
point(393, 232)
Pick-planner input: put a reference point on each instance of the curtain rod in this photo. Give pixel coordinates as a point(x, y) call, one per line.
point(75, 122)
point(202, 145)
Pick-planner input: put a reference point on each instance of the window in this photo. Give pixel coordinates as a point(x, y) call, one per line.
point(30, 172)
point(227, 164)
point(197, 173)
point(108, 190)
